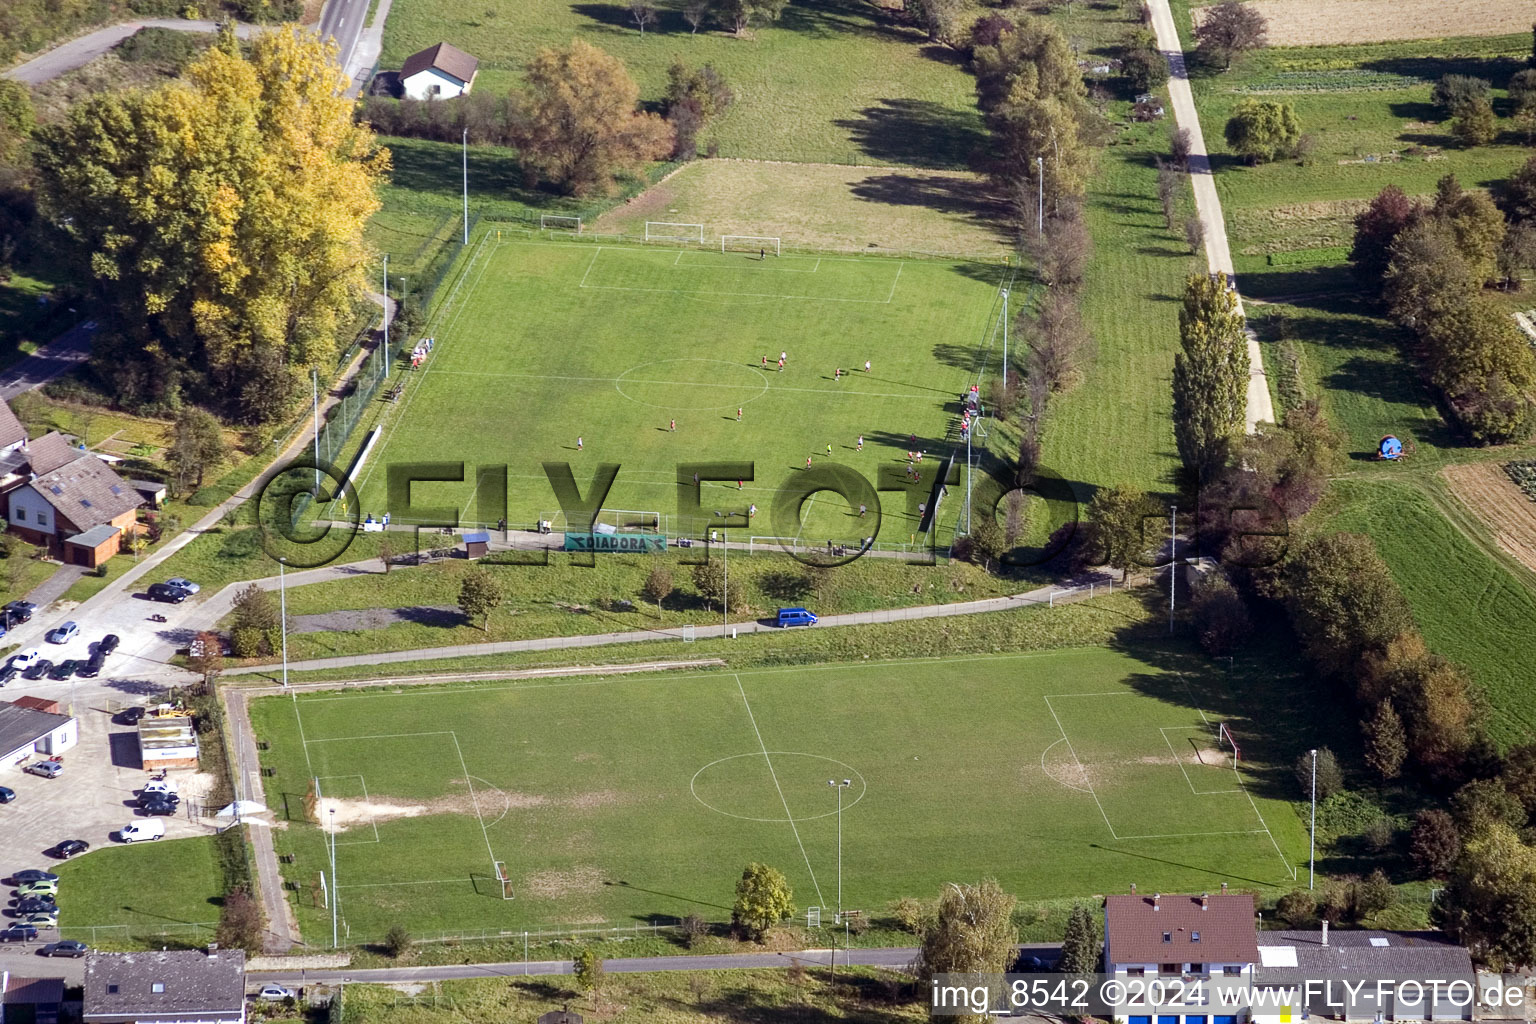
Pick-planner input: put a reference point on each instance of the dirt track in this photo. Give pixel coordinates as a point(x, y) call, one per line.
point(1492, 496)
point(1318, 22)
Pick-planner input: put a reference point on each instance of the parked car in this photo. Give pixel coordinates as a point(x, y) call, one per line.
point(45, 769)
point(137, 831)
point(69, 947)
point(7, 794)
point(181, 583)
point(158, 796)
point(37, 669)
point(18, 933)
point(63, 634)
point(18, 612)
point(165, 592)
point(157, 808)
point(92, 668)
point(275, 992)
point(37, 889)
point(69, 848)
point(107, 644)
point(160, 786)
point(24, 660)
point(34, 905)
point(43, 920)
point(33, 875)
point(8, 673)
point(64, 669)
point(796, 617)
point(130, 716)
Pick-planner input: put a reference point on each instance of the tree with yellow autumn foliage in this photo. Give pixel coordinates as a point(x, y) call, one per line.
point(221, 217)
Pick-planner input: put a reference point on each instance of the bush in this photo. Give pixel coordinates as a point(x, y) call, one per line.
point(397, 942)
point(1435, 842)
point(1296, 908)
point(693, 928)
point(1330, 779)
point(910, 915)
point(159, 45)
point(1220, 615)
point(1454, 91)
point(247, 642)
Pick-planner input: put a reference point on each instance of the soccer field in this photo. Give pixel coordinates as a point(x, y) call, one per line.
point(609, 800)
point(539, 343)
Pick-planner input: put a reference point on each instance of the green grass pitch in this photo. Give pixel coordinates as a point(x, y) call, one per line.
point(609, 800)
point(540, 343)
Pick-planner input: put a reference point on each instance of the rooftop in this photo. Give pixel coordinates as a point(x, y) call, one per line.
point(11, 430)
point(443, 57)
point(95, 536)
point(20, 726)
point(85, 491)
point(1361, 954)
point(165, 984)
point(1181, 929)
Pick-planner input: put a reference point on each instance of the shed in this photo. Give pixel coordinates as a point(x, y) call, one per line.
point(94, 546)
point(477, 543)
point(167, 739)
point(27, 731)
point(438, 72)
point(152, 491)
point(38, 704)
point(564, 1016)
point(41, 996)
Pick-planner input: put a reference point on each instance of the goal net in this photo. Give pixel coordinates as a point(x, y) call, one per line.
point(1225, 741)
point(749, 243)
point(667, 231)
point(504, 879)
point(554, 222)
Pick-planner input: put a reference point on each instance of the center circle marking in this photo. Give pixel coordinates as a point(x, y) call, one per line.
point(851, 770)
point(761, 383)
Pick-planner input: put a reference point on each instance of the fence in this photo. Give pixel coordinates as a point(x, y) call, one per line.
point(421, 292)
point(188, 936)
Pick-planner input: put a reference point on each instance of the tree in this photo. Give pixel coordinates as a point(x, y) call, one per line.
point(1474, 124)
point(1451, 92)
point(1220, 615)
point(1343, 600)
point(1434, 843)
point(1374, 894)
point(939, 18)
point(1517, 254)
point(588, 969)
point(710, 580)
point(579, 126)
point(642, 14)
point(1475, 223)
point(18, 119)
point(1179, 147)
point(1210, 375)
point(1296, 908)
point(1142, 63)
point(1230, 29)
point(1262, 130)
point(1118, 516)
point(1169, 186)
point(1483, 803)
point(658, 585)
point(1430, 694)
point(972, 932)
point(480, 594)
point(197, 445)
point(255, 608)
point(397, 941)
point(220, 218)
point(387, 552)
point(988, 541)
point(703, 88)
point(1080, 943)
point(209, 659)
point(1386, 742)
point(1522, 89)
point(1058, 340)
point(1489, 902)
point(763, 899)
point(1194, 233)
point(1330, 778)
point(737, 15)
point(240, 922)
point(1519, 774)
point(1377, 227)
point(1426, 274)
point(695, 13)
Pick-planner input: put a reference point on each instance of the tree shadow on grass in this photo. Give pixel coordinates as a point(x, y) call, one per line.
point(919, 133)
point(494, 173)
point(1430, 68)
point(966, 197)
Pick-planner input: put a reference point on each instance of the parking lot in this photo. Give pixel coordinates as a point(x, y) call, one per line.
point(91, 799)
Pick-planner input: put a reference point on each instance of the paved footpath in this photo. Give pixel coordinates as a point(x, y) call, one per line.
point(79, 52)
point(1218, 254)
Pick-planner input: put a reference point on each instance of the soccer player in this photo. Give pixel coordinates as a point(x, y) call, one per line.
point(807, 462)
point(672, 426)
point(829, 451)
point(783, 356)
point(738, 414)
point(781, 364)
point(765, 362)
point(866, 366)
point(578, 443)
point(862, 510)
point(860, 446)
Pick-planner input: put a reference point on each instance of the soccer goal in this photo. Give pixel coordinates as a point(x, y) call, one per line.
point(504, 879)
point(667, 231)
point(1226, 742)
point(555, 222)
point(749, 243)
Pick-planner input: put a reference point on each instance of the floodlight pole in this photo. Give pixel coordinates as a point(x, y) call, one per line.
point(1312, 842)
point(334, 892)
point(1173, 563)
point(846, 783)
point(314, 383)
point(1040, 202)
point(386, 315)
point(282, 589)
point(725, 599)
point(967, 485)
point(466, 186)
point(1005, 340)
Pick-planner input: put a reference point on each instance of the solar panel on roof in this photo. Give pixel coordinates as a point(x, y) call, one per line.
point(56, 489)
point(116, 490)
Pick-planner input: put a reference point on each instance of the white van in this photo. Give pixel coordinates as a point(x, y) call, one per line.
point(150, 828)
point(159, 786)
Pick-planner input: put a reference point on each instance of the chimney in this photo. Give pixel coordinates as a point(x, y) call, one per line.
point(1205, 901)
point(213, 950)
point(1133, 888)
point(1223, 888)
point(1325, 931)
point(1157, 901)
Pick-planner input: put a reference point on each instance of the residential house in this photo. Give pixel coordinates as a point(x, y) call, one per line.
point(168, 987)
point(67, 500)
point(30, 1000)
point(12, 434)
point(438, 73)
point(1183, 938)
point(1382, 960)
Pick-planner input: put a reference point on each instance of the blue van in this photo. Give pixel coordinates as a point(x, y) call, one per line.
point(796, 617)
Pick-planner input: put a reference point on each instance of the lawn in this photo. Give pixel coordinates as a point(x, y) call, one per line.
point(625, 798)
point(669, 334)
point(146, 893)
point(833, 81)
point(1367, 108)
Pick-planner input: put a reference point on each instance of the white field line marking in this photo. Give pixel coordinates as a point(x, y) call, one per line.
point(379, 736)
point(1047, 771)
point(1080, 768)
point(674, 262)
point(1186, 730)
point(381, 885)
point(506, 801)
point(1163, 731)
point(592, 264)
point(1191, 835)
point(451, 303)
point(1288, 866)
point(682, 384)
point(299, 720)
point(787, 812)
point(735, 295)
point(711, 252)
point(475, 800)
point(891, 296)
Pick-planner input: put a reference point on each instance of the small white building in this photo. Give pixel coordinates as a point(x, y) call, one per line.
point(438, 73)
point(27, 732)
point(167, 739)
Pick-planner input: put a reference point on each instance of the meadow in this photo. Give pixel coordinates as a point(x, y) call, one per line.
point(834, 81)
point(637, 798)
point(147, 894)
point(542, 344)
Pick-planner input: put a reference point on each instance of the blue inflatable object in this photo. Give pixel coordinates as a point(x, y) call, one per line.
point(1390, 448)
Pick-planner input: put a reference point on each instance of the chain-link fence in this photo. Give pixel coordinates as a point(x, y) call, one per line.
point(182, 936)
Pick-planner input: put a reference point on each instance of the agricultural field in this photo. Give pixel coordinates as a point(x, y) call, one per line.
point(637, 797)
point(1368, 110)
point(1325, 22)
point(833, 81)
point(1507, 511)
point(689, 335)
point(826, 205)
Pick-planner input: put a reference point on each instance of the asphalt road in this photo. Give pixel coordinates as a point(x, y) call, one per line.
point(895, 958)
point(54, 359)
point(79, 52)
point(343, 21)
